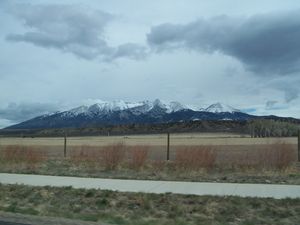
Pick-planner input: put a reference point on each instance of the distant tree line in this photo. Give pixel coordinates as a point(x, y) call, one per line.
point(272, 128)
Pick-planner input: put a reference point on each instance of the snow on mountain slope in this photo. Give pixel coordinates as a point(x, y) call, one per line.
point(220, 108)
point(120, 112)
point(137, 108)
point(169, 107)
point(176, 106)
point(78, 110)
point(102, 108)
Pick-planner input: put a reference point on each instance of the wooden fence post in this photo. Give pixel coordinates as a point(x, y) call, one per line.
point(298, 145)
point(252, 131)
point(168, 147)
point(65, 145)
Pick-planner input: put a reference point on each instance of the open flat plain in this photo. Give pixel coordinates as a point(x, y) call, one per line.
point(228, 143)
point(151, 140)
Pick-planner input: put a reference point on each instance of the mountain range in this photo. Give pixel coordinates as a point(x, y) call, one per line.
point(121, 112)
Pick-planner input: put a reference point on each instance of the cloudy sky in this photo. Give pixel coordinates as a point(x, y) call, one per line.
point(59, 54)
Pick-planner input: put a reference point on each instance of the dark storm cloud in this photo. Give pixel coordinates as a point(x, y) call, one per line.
point(267, 44)
point(23, 111)
point(69, 28)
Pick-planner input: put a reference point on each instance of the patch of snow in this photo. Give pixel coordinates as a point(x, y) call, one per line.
point(219, 108)
point(78, 110)
point(175, 107)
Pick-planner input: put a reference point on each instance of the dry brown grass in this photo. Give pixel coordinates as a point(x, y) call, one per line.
point(278, 156)
point(138, 156)
point(194, 158)
point(16, 154)
point(113, 156)
point(189, 139)
point(108, 157)
point(273, 156)
point(87, 155)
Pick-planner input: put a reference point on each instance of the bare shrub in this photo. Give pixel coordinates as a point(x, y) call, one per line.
point(16, 154)
point(279, 156)
point(194, 158)
point(138, 156)
point(87, 155)
point(273, 156)
point(113, 155)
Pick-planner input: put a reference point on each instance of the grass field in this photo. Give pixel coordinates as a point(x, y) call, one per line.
point(108, 207)
point(193, 157)
point(151, 140)
point(157, 144)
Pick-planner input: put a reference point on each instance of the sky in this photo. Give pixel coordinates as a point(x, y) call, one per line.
point(60, 54)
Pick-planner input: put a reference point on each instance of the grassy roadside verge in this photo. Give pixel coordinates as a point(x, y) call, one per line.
point(8, 218)
point(156, 171)
point(146, 209)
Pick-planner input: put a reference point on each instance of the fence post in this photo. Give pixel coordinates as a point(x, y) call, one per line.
point(65, 145)
point(252, 131)
point(298, 145)
point(168, 147)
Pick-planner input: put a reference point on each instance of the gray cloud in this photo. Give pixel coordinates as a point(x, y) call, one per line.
point(267, 44)
point(72, 29)
point(130, 50)
point(289, 85)
point(23, 111)
point(270, 104)
point(291, 94)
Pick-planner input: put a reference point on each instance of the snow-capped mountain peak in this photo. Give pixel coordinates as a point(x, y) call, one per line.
point(99, 113)
point(100, 108)
point(109, 106)
point(169, 107)
point(219, 108)
point(176, 106)
point(105, 107)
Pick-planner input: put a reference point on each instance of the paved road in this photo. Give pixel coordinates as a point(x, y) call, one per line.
point(194, 188)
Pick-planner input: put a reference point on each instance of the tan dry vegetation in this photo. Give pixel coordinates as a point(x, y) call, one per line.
point(109, 207)
point(156, 143)
point(187, 162)
point(150, 140)
point(195, 158)
point(138, 156)
point(26, 156)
